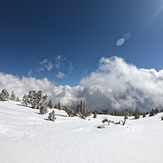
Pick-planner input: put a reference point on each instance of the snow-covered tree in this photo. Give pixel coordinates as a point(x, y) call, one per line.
point(59, 106)
point(17, 99)
point(69, 111)
point(82, 109)
point(136, 114)
point(13, 97)
point(34, 99)
point(50, 105)
point(4, 95)
point(51, 116)
point(24, 100)
point(43, 109)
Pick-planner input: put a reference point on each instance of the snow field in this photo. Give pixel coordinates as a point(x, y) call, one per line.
point(26, 136)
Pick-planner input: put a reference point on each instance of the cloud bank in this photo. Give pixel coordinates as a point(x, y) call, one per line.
point(115, 85)
point(118, 85)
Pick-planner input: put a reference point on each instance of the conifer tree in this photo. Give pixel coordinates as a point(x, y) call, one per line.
point(82, 109)
point(24, 100)
point(136, 114)
point(4, 95)
point(13, 97)
point(51, 116)
point(43, 109)
point(50, 104)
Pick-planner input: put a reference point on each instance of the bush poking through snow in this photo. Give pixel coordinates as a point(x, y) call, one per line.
point(43, 109)
point(162, 118)
point(154, 112)
point(116, 123)
point(136, 114)
point(95, 114)
point(51, 116)
point(69, 111)
point(82, 110)
point(123, 122)
point(106, 120)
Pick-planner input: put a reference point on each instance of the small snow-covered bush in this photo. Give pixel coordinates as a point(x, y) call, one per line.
point(136, 114)
point(69, 111)
point(51, 116)
point(43, 109)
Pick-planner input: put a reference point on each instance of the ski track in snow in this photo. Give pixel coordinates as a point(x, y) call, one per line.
point(25, 136)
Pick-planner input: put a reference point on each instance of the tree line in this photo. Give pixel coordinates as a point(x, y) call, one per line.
point(37, 100)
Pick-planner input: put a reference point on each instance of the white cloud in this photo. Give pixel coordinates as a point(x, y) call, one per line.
point(45, 65)
point(61, 75)
point(24, 85)
point(59, 65)
point(65, 94)
point(59, 61)
point(44, 61)
point(119, 85)
point(115, 85)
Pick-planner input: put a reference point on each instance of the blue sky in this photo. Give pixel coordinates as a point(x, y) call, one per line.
point(64, 40)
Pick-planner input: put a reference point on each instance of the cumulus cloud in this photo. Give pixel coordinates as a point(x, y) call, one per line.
point(115, 85)
point(65, 94)
point(123, 86)
point(25, 84)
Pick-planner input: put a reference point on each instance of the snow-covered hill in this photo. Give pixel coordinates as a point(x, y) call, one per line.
point(27, 137)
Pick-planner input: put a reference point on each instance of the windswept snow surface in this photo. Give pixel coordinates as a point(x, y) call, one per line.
point(27, 137)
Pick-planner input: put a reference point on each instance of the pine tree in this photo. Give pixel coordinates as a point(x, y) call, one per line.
point(43, 109)
point(34, 99)
point(4, 95)
point(24, 100)
point(50, 104)
point(13, 97)
point(69, 111)
point(51, 116)
point(17, 99)
point(59, 106)
point(95, 114)
point(82, 109)
point(136, 114)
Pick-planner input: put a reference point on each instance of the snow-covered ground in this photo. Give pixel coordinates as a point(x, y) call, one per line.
point(27, 137)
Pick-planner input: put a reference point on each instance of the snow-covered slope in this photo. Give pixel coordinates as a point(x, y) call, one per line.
point(27, 137)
